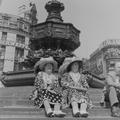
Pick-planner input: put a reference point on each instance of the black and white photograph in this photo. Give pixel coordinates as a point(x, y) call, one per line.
point(59, 59)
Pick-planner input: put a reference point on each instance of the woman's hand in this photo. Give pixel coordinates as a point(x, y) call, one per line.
point(79, 88)
point(49, 88)
point(34, 95)
point(83, 89)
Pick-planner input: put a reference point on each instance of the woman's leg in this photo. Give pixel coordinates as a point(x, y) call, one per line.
point(48, 109)
point(83, 108)
point(114, 102)
point(57, 107)
point(75, 109)
point(57, 111)
point(102, 100)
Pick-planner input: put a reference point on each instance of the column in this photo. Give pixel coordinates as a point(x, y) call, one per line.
point(27, 40)
point(26, 44)
point(0, 35)
point(9, 59)
point(104, 65)
point(9, 53)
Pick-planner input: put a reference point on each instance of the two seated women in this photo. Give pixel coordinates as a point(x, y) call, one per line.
point(60, 91)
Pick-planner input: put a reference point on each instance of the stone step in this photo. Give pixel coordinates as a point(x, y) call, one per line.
point(42, 117)
point(18, 92)
point(20, 96)
point(92, 96)
point(15, 105)
point(35, 111)
point(95, 91)
point(24, 92)
point(17, 102)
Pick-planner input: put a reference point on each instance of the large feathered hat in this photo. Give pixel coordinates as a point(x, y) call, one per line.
point(64, 66)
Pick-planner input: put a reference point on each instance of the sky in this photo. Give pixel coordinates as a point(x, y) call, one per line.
point(98, 20)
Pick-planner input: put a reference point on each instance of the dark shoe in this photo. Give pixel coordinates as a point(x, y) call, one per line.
point(76, 114)
point(115, 114)
point(50, 114)
point(59, 114)
point(114, 111)
point(84, 115)
point(102, 104)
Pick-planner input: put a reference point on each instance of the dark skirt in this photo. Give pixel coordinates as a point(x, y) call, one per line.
point(44, 94)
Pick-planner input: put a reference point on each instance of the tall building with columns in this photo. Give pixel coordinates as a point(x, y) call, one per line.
point(104, 58)
point(14, 40)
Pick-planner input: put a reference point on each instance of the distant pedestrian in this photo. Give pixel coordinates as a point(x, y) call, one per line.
point(112, 93)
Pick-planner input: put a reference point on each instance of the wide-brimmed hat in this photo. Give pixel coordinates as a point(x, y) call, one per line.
point(43, 61)
point(73, 60)
point(63, 67)
point(66, 66)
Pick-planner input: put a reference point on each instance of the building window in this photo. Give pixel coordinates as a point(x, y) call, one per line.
point(5, 21)
point(20, 39)
point(26, 27)
point(4, 36)
point(17, 66)
point(20, 25)
point(1, 65)
point(2, 51)
point(19, 54)
point(13, 24)
point(1, 21)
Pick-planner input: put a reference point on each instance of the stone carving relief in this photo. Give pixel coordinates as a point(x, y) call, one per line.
point(96, 66)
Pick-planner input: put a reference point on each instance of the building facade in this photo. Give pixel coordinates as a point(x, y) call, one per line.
point(104, 58)
point(14, 40)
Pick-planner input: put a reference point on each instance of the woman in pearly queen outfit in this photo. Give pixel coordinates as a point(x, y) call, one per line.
point(47, 90)
point(75, 85)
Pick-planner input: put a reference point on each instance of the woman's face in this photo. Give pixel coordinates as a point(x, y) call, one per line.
point(48, 68)
point(75, 67)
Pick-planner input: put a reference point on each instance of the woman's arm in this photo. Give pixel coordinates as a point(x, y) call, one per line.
point(39, 83)
point(65, 80)
point(84, 83)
